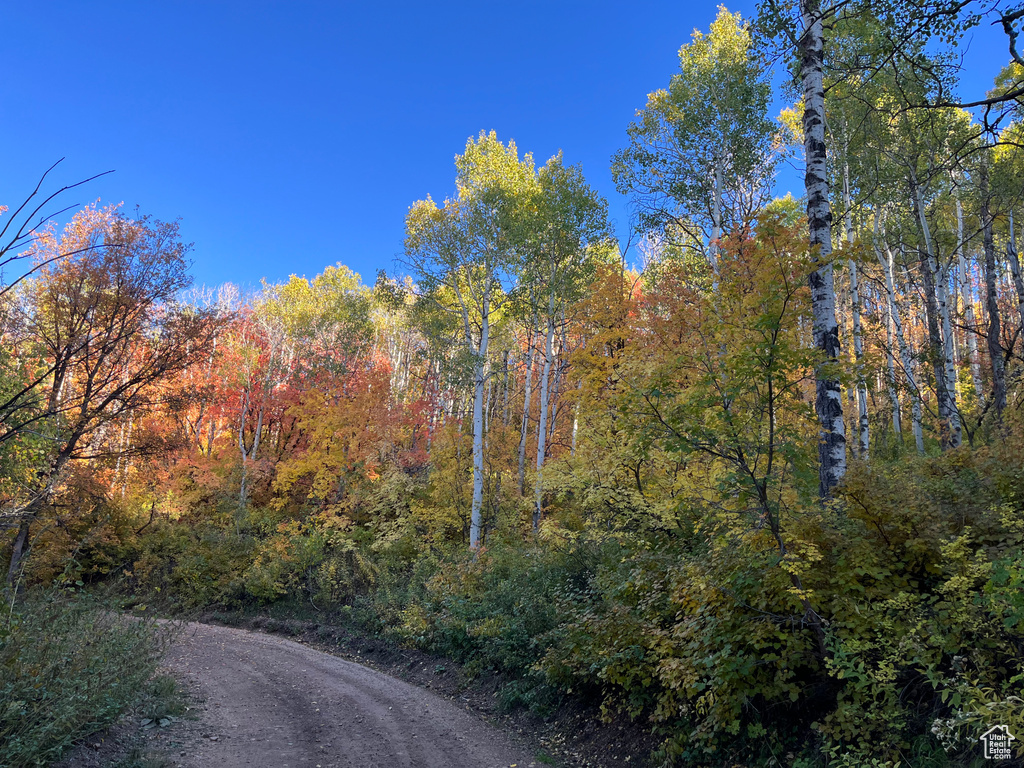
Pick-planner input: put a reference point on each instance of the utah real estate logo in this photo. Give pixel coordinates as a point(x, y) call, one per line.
point(997, 742)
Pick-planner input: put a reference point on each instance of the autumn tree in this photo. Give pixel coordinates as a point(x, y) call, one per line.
point(569, 219)
point(106, 326)
point(466, 256)
point(700, 160)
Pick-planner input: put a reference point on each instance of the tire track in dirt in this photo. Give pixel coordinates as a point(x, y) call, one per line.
point(273, 702)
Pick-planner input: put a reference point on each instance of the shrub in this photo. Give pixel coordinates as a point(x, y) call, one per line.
point(68, 667)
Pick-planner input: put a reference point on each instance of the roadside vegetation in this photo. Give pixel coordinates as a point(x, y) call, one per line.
point(763, 492)
point(70, 667)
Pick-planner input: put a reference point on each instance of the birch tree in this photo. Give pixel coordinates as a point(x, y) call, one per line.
point(828, 402)
point(995, 348)
point(569, 217)
point(699, 159)
point(466, 258)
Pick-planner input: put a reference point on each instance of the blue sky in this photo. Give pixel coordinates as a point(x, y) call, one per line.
point(292, 135)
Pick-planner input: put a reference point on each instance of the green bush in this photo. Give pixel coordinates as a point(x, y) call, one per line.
point(496, 611)
point(916, 572)
point(68, 667)
point(192, 565)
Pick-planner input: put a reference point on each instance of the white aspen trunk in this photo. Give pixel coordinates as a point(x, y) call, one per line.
point(241, 447)
point(575, 422)
point(716, 225)
point(858, 351)
point(526, 417)
point(948, 355)
point(849, 389)
point(543, 421)
point(504, 404)
point(204, 404)
point(948, 347)
point(828, 402)
point(967, 296)
point(120, 452)
point(556, 379)
point(940, 345)
point(396, 372)
point(890, 336)
point(479, 375)
point(995, 348)
point(211, 435)
point(906, 358)
point(1018, 281)
point(128, 463)
point(249, 454)
point(487, 412)
point(430, 391)
point(858, 346)
point(894, 398)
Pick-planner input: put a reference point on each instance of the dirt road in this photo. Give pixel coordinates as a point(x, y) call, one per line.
point(276, 703)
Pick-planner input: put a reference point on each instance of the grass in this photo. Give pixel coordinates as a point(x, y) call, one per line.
point(70, 666)
point(162, 698)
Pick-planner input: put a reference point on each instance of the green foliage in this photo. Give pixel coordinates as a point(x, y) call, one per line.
point(703, 142)
point(495, 608)
point(68, 667)
point(192, 566)
point(914, 571)
point(330, 313)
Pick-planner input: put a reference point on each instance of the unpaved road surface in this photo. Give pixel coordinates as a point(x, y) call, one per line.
point(273, 702)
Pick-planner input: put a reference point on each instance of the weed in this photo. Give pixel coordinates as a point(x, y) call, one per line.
point(70, 667)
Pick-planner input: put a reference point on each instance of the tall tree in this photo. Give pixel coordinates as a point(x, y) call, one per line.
point(569, 217)
point(699, 160)
point(995, 347)
point(828, 402)
point(466, 256)
point(107, 323)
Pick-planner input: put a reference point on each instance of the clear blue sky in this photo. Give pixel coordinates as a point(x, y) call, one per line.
point(292, 135)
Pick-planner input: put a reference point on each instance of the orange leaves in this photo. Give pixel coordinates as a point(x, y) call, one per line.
point(349, 430)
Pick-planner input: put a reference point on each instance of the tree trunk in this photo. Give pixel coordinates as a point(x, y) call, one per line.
point(18, 552)
point(526, 417)
point(828, 400)
point(948, 347)
point(858, 346)
point(967, 295)
point(716, 226)
point(906, 358)
point(949, 417)
point(479, 377)
point(504, 393)
point(576, 418)
point(542, 425)
point(891, 319)
point(995, 348)
point(1018, 280)
point(127, 463)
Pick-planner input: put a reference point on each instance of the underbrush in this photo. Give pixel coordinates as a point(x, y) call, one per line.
point(70, 667)
point(696, 629)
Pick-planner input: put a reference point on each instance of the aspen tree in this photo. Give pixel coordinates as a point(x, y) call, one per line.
point(466, 257)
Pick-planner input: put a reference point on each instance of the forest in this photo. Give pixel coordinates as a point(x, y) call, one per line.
point(757, 486)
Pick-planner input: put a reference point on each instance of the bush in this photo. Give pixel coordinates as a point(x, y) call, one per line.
point(917, 572)
point(68, 667)
point(192, 565)
point(497, 611)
